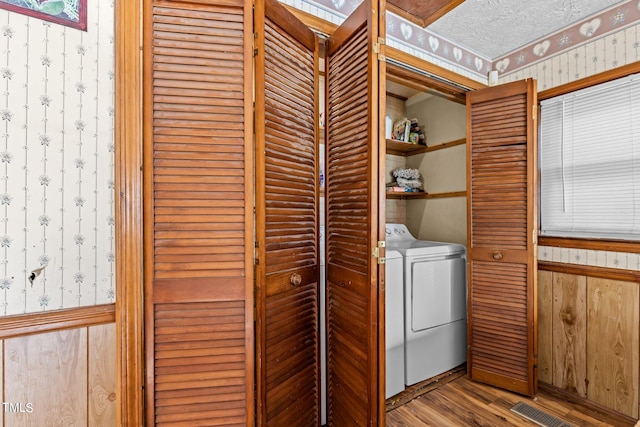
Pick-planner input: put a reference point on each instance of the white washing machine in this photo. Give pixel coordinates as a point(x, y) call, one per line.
point(435, 303)
point(394, 322)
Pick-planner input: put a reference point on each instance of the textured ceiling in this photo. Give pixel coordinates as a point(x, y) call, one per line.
point(493, 28)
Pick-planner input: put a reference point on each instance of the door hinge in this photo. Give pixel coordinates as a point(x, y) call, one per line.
point(377, 49)
point(255, 50)
point(375, 252)
point(535, 112)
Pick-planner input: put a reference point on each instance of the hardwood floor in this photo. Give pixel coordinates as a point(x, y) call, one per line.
point(462, 402)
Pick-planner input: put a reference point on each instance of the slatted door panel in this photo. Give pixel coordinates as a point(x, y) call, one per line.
point(198, 214)
point(287, 219)
point(502, 230)
point(352, 223)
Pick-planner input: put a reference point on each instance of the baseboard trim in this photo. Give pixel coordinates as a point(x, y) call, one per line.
point(423, 387)
point(594, 410)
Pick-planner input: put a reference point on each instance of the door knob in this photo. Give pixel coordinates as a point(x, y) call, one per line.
point(295, 279)
point(497, 255)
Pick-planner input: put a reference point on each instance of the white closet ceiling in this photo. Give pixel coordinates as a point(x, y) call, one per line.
point(493, 28)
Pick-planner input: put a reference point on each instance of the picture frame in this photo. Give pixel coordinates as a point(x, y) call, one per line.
point(71, 13)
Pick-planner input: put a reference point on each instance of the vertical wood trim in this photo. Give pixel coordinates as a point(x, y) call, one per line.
point(260, 220)
point(377, 202)
point(381, 208)
point(128, 212)
point(87, 362)
point(249, 220)
point(532, 226)
point(147, 188)
point(545, 327)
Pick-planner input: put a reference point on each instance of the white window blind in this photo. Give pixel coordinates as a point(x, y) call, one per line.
point(590, 162)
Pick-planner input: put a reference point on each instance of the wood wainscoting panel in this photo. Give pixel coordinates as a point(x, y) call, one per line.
point(50, 372)
point(102, 378)
point(545, 326)
point(612, 344)
point(569, 337)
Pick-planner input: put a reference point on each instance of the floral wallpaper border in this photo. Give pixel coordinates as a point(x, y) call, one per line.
point(611, 51)
point(593, 28)
point(619, 260)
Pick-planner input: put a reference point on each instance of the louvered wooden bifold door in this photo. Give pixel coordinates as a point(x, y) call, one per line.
point(502, 234)
point(287, 248)
point(198, 213)
point(354, 365)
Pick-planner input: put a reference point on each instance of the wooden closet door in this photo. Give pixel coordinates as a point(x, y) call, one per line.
point(287, 263)
point(502, 215)
point(355, 221)
point(198, 171)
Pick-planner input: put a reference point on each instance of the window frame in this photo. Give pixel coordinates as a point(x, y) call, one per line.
point(586, 242)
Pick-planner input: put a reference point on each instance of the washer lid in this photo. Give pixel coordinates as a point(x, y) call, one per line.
point(425, 247)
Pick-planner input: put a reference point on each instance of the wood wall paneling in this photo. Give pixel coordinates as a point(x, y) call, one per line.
point(612, 344)
point(50, 372)
point(569, 340)
point(589, 335)
point(67, 377)
point(545, 327)
point(102, 378)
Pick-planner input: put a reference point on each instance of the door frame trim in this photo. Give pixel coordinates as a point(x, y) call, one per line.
point(128, 212)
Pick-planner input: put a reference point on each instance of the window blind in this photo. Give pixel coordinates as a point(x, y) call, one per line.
point(590, 162)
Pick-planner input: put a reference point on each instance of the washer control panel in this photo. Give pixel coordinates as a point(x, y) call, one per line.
point(397, 233)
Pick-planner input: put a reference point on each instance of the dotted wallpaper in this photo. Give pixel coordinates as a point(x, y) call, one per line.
point(57, 233)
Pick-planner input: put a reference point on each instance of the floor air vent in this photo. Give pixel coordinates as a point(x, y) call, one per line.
point(537, 416)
